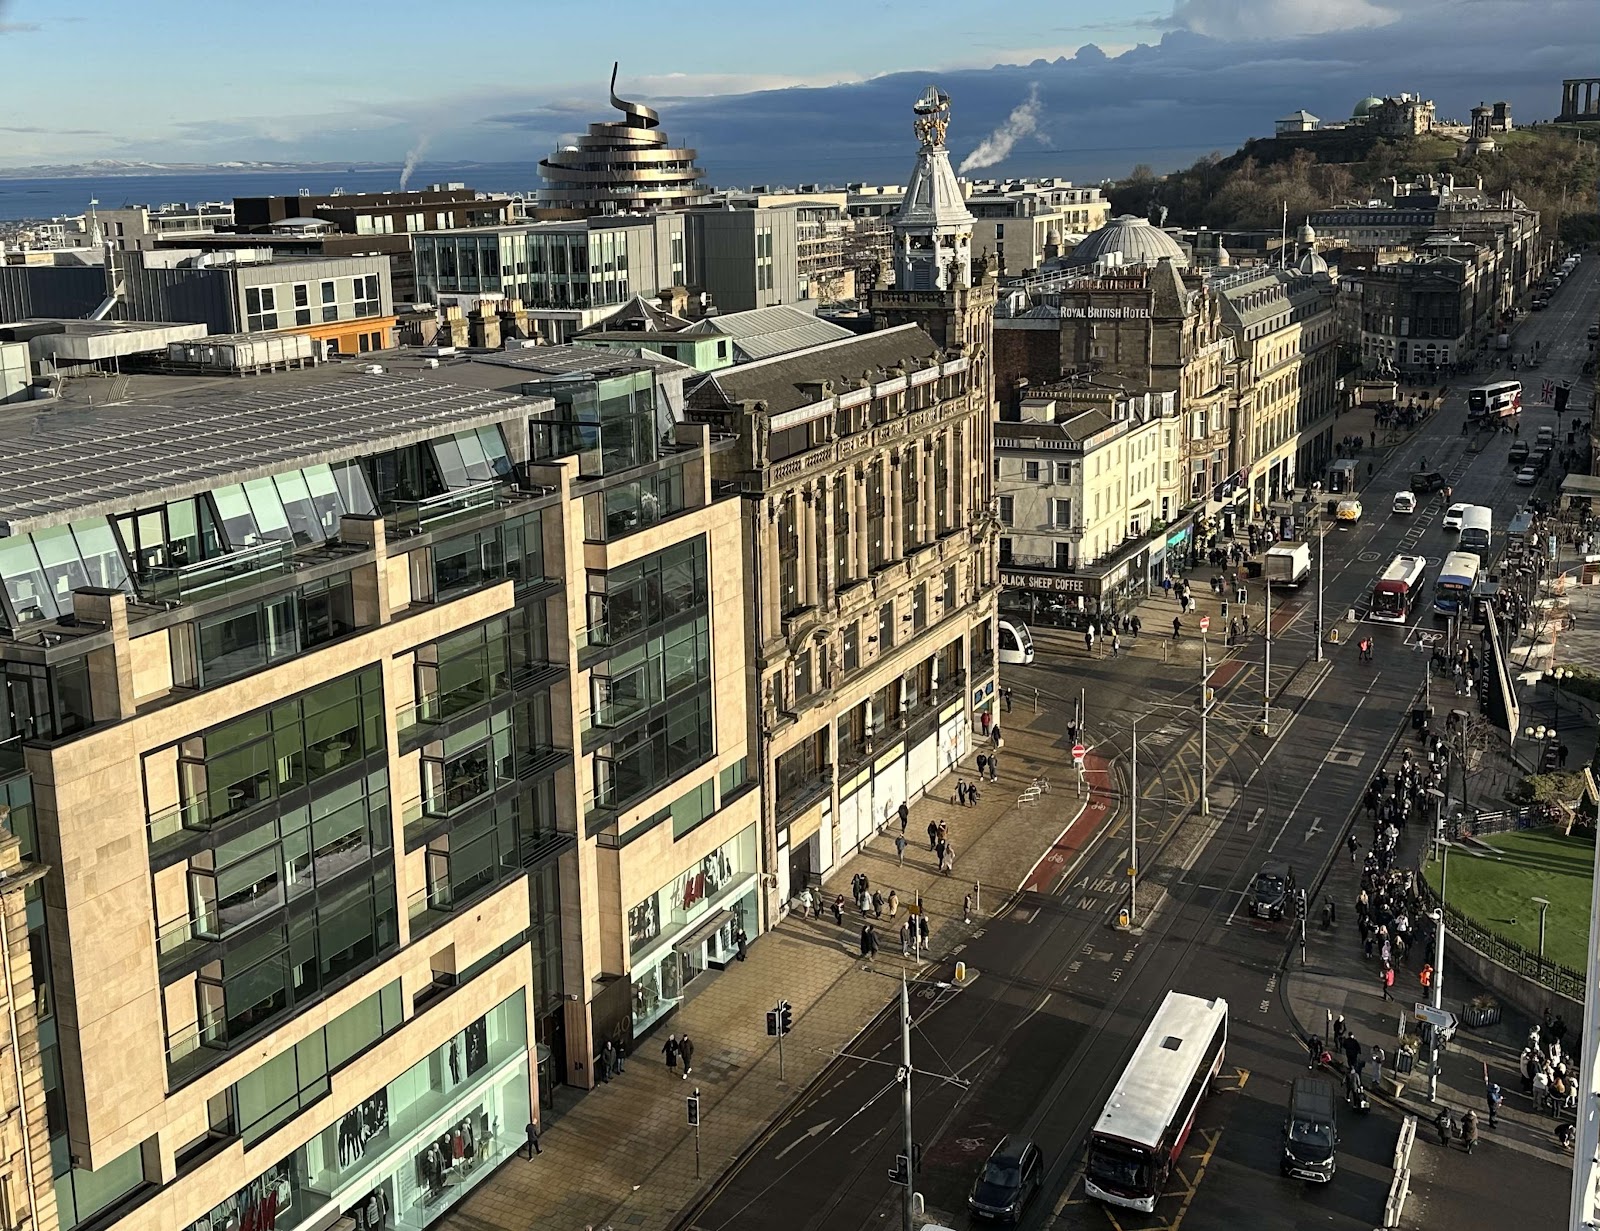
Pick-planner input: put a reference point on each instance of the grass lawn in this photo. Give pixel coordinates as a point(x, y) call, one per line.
point(1497, 891)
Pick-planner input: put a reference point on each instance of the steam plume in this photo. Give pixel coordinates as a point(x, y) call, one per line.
point(996, 147)
point(413, 157)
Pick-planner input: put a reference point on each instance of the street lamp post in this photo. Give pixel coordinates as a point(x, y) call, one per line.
point(1543, 905)
point(1205, 710)
point(1266, 676)
point(1133, 835)
point(1322, 535)
point(1438, 997)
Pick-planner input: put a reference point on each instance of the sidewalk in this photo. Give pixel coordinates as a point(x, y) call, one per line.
point(1337, 979)
point(623, 1155)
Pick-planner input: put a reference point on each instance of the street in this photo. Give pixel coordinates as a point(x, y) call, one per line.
point(1035, 1041)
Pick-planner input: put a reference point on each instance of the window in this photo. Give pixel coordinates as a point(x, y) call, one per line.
point(1007, 508)
point(365, 293)
point(851, 638)
point(1061, 514)
point(1030, 471)
point(302, 304)
point(261, 307)
point(733, 779)
point(886, 628)
point(1063, 472)
point(330, 301)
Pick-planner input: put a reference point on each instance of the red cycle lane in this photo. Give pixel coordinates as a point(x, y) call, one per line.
point(1092, 814)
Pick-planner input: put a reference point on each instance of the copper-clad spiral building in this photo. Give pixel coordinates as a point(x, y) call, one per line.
point(622, 167)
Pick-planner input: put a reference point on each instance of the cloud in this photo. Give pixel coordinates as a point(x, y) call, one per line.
point(54, 132)
point(1272, 19)
point(20, 27)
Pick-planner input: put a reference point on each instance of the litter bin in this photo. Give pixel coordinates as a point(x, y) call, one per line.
point(1404, 1061)
point(1420, 715)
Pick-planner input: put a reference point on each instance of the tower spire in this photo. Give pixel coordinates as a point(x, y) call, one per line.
point(933, 227)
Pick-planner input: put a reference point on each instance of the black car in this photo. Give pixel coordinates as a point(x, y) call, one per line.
point(1539, 459)
point(1010, 1179)
point(1519, 452)
point(1425, 481)
point(1272, 895)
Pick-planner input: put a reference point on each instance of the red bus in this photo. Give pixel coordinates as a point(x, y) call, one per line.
point(1399, 589)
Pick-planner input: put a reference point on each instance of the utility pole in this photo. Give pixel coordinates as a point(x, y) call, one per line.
point(1322, 535)
point(1586, 1147)
point(1266, 678)
point(1437, 989)
point(908, 1201)
point(1133, 836)
point(1205, 710)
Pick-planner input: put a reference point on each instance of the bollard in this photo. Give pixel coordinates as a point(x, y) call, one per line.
point(961, 972)
point(1122, 917)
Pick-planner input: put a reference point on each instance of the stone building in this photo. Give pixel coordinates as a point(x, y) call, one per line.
point(863, 467)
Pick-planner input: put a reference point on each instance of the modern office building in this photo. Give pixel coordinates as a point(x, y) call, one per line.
point(864, 480)
point(621, 167)
point(382, 737)
point(345, 305)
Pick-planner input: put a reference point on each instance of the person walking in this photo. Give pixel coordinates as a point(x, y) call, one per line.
point(743, 941)
point(533, 1140)
point(1177, 627)
point(669, 1049)
point(869, 942)
point(1443, 1125)
point(807, 906)
point(922, 926)
point(1388, 980)
point(1469, 1131)
point(905, 938)
point(900, 848)
point(894, 903)
point(933, 830)
point(966, 909)
point(1005, 697)
point(877, 904)
point(1339, 1031)
point(838, 910)
point(686, 1050)
point(1377, 1061)
point(1494, 1096)
point(905, 815)
point(1116, 645)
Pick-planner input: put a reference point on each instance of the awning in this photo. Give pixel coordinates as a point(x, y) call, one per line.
point(702, 930)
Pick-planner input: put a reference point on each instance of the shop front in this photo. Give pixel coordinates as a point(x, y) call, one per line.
point(410, 1151)
point(690, 925)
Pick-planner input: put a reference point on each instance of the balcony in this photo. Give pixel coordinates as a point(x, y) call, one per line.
point(444, 895)
point(412, 517)
point(168, 827)
point(206, 578)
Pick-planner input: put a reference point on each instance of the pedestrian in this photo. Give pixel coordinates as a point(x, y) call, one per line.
point(807, 906)
point(669, 1049)
point(1005, 696)
point(1177, 627)
point(1350, 841)
point(1442, 1124)
point(1388, 980)
point(743, 941)
point(608, 1058)
point(838, 910)
point(1425, 975)
point(1352, 1052)
point(686, 1050)
point(1469, 1130)
point(922, 925)
point(905, 938)
point(533, 1140)
point(1494, 1096)
point(1116, 645)
point(1313, 1051)
point(877, 904)
point(966, 909)
point(1338, 1031)
point(1377, 1060)
point(994, 769)
point(900, 848)
point(894, 903)
point(869, 942)
point(948, 863)
point(995, 737)
point(983, 765)
point(905, 816)
point(933, 829)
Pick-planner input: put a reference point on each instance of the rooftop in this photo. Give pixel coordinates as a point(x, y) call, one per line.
point(578, 361)
point(762, 333)
point(1135, 240)
point(64, 460)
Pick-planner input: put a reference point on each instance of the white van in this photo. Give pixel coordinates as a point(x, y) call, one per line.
point(1016, 646)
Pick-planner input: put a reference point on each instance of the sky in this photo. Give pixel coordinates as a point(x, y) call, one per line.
point(820, 90)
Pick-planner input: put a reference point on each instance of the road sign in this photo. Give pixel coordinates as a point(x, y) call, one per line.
point(1439, 1017)
point(1079, 752)
point(1205, 623)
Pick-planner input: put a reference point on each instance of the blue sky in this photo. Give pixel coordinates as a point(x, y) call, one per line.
point(213, 81)
point(765, 90)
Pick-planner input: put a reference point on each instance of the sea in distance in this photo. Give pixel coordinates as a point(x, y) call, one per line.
point(70, 195)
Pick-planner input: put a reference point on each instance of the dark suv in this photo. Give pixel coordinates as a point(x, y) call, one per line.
point(1424, 481)
point(1009, 1180)
point(1272, 895)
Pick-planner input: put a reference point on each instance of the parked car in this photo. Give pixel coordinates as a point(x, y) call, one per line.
point(1453, 516)
point(1527, 476)
point(1519, 452)
point(1008, 1181)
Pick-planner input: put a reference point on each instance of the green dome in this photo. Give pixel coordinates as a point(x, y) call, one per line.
point(1364, 108)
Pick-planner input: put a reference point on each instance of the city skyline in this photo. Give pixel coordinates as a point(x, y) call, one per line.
point(1162, 84)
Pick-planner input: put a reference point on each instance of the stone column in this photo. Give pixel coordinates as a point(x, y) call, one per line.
point(771, 598)
point(958, 475)
point(858, 527)
point(894, 523)
point(826, 581)
point(808, 545)
point(111, 693)
point(930, 513)
point(1566, 98)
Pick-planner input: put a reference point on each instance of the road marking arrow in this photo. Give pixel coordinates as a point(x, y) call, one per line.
point(1316, 828)
point(813, 1131)
point(1254, 821)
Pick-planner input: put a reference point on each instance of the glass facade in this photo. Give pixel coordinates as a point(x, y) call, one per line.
point(410, 1150)
point(690, 923)
point(250, 638)
point(609, 425)
point(39, 571)
point(511, 549)
point(545, 267)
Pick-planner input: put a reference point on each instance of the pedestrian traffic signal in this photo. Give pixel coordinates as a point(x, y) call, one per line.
point(897, 1173)
point(694, 1110)
point(772, 1022)
point(786, 1015)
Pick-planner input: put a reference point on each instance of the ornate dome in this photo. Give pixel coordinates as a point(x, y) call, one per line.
point(1134, 239)
point(1308, 233)
point(1312, 263)
point(1365, 106)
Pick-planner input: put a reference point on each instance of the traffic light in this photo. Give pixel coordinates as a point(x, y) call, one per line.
point(1207, 697)
point(1549, 757)
point(897, 1173)
point(786, 1014)
point(694, 1110)
point(772, 1022)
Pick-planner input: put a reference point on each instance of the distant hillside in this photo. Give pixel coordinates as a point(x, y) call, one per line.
point(1548, 167)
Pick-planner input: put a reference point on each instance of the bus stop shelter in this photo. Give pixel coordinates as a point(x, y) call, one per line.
point(1580, 491)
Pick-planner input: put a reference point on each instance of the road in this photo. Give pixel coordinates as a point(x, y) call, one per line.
point(1036, 1040)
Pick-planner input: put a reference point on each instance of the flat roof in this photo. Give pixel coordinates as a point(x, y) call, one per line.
point(64, 460)
point(559, 361)
point(1158, 1076)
